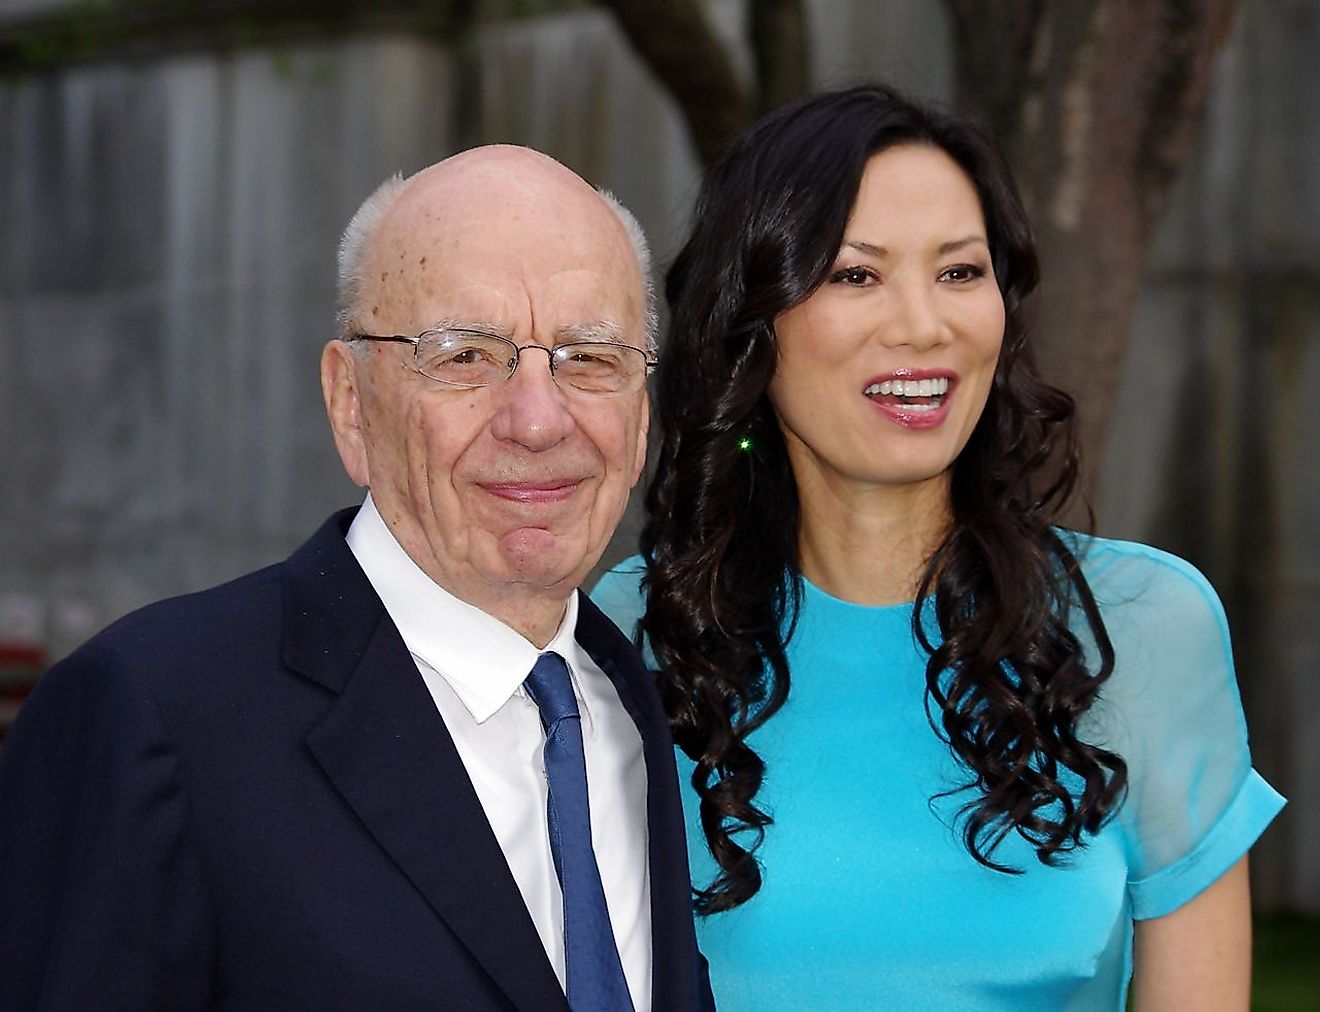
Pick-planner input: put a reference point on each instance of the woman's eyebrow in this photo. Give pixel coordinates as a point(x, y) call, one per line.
point(871, 249)
point(957, 244)
point(862, 246)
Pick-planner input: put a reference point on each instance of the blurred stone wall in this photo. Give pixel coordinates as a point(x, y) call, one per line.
point(165, 287)
point(167, 232)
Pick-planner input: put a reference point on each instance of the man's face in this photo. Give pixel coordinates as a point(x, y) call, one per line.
point(509, 493)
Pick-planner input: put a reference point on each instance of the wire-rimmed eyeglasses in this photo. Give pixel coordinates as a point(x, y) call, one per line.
point(473, 358)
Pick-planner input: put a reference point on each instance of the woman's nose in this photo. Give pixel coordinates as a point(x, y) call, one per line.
point(916, 320)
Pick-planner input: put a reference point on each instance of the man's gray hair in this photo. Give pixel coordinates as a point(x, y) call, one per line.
point(362, 226)
point(642, 252)
point(353, 246)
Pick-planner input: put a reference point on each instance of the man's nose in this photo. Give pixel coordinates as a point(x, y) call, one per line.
point(533, 411)
point(917, 320)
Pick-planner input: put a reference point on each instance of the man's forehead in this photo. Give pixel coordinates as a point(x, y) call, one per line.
point(490, 197)
point(513, 290)
point(489, 238)
point(505, 239)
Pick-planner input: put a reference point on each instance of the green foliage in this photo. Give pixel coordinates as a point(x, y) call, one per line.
point(86, 30)
point(1286, 975)
point(69, 35)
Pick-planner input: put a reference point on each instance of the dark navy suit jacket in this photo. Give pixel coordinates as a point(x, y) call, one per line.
point(246, 799)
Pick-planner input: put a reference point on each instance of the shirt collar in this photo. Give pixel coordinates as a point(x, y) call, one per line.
point(483, 660)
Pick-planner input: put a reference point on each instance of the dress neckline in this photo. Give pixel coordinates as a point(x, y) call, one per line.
point(824, 597)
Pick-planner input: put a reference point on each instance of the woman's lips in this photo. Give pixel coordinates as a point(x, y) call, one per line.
point(912, 398)
point(555, 490)
point(914, 418)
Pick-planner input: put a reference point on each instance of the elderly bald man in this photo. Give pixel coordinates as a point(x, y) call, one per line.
point(410, 767)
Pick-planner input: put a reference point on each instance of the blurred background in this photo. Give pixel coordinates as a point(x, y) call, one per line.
point(174, 175)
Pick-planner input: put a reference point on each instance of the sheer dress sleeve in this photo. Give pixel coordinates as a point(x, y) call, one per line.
point(1171, 709)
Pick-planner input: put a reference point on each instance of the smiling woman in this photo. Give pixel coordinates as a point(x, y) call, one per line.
point(910, 302)
point(1012, 770)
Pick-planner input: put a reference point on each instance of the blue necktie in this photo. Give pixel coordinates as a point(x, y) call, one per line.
point(595, 974)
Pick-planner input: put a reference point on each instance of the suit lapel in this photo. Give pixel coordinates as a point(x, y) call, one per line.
point(388, 753)
point(675, 980)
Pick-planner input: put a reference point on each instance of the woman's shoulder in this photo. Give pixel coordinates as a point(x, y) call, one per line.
point(1114, 561)
point(620, 595)
point(1138, 585)
point(1173, 657)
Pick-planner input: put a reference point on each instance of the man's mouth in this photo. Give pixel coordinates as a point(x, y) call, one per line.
point(916, 395)
point(547, 491)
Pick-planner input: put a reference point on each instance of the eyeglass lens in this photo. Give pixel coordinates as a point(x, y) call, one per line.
point(477, 360)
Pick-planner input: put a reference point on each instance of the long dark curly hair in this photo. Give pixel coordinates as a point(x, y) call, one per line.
point(1007, 681)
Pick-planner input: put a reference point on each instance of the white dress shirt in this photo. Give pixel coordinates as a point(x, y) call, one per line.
point(474, 666)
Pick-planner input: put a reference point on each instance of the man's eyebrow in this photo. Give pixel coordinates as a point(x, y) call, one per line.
point(599, 330)
point(479, 326)
point(602, 330)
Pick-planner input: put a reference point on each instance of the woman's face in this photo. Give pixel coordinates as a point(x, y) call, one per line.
point(884, 370)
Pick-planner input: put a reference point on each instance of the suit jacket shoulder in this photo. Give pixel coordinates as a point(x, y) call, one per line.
point(245, 796)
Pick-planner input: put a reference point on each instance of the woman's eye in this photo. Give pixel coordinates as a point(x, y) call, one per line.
point(853, 276)
point(962, 272)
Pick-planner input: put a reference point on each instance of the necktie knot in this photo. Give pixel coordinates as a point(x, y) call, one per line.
point(551, 689)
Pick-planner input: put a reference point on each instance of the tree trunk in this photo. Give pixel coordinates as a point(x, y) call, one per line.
point(676, 41)
point(1097, 103)
point(780, 51)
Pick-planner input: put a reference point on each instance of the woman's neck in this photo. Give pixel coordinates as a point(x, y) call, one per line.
point(869, 543)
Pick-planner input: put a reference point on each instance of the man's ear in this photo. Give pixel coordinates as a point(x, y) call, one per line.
point(343, 403)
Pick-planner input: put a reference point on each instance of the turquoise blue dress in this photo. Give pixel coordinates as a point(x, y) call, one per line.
point(870, 899)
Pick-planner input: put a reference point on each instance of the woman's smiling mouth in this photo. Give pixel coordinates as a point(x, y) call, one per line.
point(912, 400)
point(924, 395)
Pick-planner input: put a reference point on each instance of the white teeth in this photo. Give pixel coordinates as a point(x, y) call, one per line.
point(909, 388)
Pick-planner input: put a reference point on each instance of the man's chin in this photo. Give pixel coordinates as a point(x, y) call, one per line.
point(535, 557)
